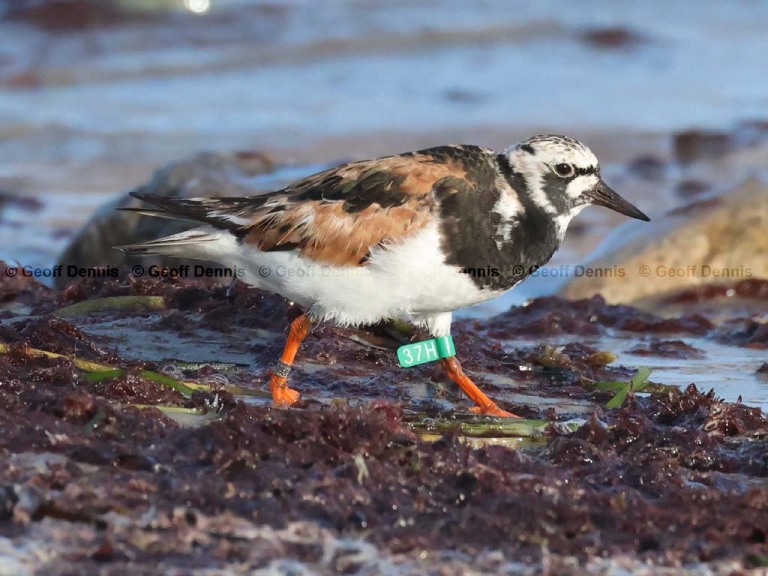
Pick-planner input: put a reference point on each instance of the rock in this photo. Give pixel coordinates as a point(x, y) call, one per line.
point(689, 188)
point(647, 167)
point(72, 15)
point(205, 174)
point(719, 240)
point(611, 37)
point(693, 145)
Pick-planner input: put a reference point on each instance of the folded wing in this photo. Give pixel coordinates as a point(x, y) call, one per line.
point(336, 216)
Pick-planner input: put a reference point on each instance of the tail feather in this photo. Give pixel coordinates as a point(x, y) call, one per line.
point(195, 244)
point(158, 213)
point(222, 213)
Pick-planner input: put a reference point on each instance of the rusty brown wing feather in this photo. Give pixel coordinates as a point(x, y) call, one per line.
point(338, 216)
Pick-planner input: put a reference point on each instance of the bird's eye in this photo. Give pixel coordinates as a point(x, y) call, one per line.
point(564, 170)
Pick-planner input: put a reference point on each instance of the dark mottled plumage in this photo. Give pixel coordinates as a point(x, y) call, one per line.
point(468, 222)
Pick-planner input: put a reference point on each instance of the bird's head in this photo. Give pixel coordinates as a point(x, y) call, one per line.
point(562, 176)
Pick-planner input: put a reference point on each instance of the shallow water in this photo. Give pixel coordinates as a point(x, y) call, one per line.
point(251, 72)
point(729, 370)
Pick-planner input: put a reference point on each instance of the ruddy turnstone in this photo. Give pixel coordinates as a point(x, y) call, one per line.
point(400, 237)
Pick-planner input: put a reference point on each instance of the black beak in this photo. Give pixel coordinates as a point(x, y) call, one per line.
point(602, 195)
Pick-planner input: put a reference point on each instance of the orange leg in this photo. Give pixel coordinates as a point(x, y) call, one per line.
point(485, 405)
point(282, 395)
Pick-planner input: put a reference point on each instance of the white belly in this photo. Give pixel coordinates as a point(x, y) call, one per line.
point(406, 281)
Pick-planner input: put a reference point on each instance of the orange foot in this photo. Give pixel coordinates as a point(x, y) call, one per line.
point(282, 395)
point(493, 410)
point(484, 405)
